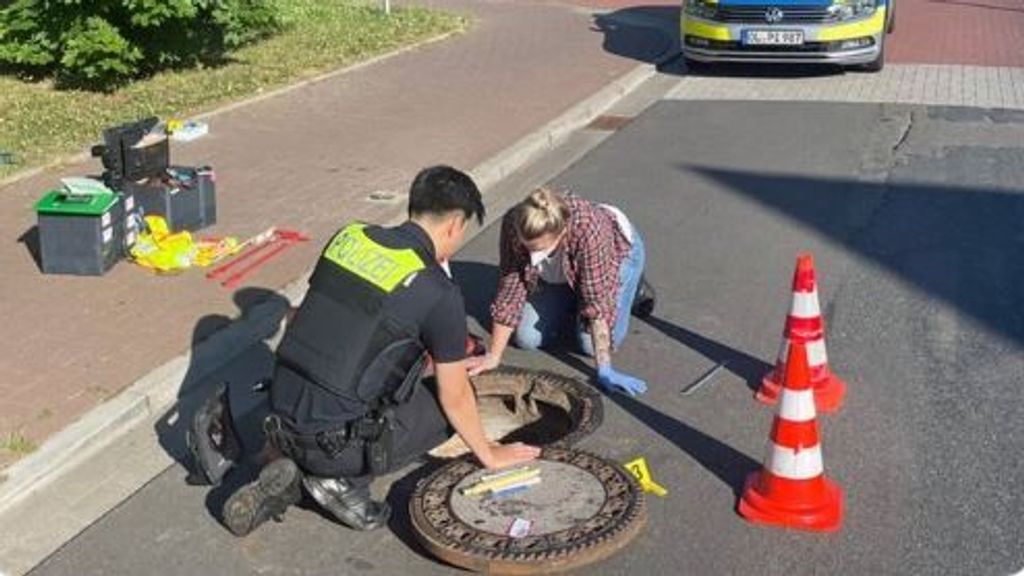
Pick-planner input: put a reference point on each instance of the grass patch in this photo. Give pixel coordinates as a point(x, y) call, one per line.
point(39, 125)
point(17, 443)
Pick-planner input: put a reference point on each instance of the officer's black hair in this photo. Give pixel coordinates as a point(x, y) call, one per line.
point(440, 190)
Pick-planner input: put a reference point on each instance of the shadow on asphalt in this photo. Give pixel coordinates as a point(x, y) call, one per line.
point(399, 496)
point(479, 283)
point(240, 375)
point(30, 238)
point(728, 464)
point(748, 368)
point(961, 245)
point(642, 33)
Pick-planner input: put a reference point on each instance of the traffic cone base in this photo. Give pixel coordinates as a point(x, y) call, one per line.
point(820, 511)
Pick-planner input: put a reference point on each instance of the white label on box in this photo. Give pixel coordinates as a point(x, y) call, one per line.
point(105, 220)
point(108, 235)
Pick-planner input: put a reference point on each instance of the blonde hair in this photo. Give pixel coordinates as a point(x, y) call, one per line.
point(544, 211)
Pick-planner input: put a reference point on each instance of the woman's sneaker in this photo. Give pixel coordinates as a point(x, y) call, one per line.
point(645, 299)
point(277, 488)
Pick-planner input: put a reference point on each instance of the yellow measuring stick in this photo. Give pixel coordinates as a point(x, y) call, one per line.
point(499, 483)
point(496, 475)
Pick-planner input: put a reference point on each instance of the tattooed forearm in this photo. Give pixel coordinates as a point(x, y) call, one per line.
point(602, 342)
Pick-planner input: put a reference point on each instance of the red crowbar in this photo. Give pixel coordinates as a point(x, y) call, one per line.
point(250, 246)
point(281, 241)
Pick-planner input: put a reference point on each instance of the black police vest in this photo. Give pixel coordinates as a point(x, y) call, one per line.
point(342, 339)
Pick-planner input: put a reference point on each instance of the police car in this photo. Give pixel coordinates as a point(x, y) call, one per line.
point(845, 32)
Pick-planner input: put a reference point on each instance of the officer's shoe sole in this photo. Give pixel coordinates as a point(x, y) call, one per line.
point(269, 496)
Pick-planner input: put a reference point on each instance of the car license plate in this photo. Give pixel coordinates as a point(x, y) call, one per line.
point(773, 37)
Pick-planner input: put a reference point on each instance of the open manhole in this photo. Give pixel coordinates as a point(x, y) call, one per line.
point(535, 407)
point(584, 509)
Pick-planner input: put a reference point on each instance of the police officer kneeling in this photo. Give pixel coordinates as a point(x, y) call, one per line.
point(347, 400)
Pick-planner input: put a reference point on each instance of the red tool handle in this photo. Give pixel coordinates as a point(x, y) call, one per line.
point(245, 255)
point(235, 278)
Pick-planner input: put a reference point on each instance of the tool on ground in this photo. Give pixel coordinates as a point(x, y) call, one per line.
point(281, 242)
point(804, 325)
point(506, 481)
point(791, 489)
point(703, 379)
point(506, 473)
point(248, 248)
point(639, 469)
point(519, 488)
point(262, 248)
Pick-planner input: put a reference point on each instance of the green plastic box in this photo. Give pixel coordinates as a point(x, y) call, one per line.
point(78, 235)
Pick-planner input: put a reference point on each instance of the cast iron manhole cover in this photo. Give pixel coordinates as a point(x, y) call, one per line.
point(585, 509)
point(539, 408)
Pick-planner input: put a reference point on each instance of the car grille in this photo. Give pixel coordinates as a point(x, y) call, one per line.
point(791, 14)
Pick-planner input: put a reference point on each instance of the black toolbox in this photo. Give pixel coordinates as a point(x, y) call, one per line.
point(185, 197)
point(136, 158)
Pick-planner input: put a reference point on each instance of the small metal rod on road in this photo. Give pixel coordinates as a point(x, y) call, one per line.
point(703, 379)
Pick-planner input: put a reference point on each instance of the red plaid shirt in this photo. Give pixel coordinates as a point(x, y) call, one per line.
point(592, 251)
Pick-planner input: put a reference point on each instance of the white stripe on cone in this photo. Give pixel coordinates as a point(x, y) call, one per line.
point(816, 354)
point(797, 405)
point(793, 464)
point(805, 305)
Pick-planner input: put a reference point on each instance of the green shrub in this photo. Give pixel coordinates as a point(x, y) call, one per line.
point(100, 44)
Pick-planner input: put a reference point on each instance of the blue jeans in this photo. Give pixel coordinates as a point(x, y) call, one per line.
point(551, 314)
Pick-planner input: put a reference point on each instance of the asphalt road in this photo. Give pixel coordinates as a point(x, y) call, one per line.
point(913, 215)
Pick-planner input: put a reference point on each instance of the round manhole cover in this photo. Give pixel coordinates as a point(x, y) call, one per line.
point(539, 408)
point(584, 509)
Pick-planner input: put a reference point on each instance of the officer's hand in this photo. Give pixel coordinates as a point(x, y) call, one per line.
point(480, 364)
point(612, 380)
point(504, 455)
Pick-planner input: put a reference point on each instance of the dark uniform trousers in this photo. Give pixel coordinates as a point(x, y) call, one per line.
point(418, 426)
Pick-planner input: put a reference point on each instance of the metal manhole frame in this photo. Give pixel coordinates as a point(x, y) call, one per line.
point(587, 415)
point(621, 518)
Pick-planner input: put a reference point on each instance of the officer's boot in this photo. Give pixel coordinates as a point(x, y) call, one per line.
point(645, 299)
point(212, 439)
point(277, 488)
point(351, 505)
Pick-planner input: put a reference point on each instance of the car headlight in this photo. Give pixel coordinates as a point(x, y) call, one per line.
point(852, 9)
point(701, 9)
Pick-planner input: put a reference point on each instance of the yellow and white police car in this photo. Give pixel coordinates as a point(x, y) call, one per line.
point(845, 32)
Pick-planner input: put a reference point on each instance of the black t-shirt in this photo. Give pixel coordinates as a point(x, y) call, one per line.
point(431, 305)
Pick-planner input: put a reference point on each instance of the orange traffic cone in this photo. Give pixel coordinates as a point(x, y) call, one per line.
point(791, 489)
point(805, 325)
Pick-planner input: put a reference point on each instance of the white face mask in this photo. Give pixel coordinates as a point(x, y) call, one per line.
point(537, 257)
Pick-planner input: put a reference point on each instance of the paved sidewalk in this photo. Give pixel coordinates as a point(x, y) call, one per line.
point(307, 160)
point(929, 84)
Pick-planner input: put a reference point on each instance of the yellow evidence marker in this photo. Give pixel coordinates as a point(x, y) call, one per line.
point(639, 469)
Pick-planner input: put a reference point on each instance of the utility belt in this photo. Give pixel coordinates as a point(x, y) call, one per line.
point(373, 432)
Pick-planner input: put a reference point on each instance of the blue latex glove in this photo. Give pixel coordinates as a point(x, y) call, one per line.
point(614, 381)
